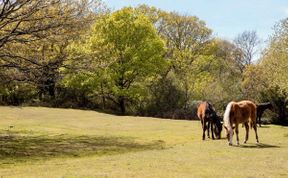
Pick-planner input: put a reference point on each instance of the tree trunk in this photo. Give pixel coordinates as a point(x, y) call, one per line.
point(103, 97)
point(122, 105)
point(282, 114)
point(51, 91)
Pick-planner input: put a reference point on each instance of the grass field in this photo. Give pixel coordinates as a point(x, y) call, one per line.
point(43, 142)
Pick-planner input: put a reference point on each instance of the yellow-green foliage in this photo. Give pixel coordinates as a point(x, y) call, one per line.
point(274, 62)
point(43, 142)
point(122, 50)
point(268, 79)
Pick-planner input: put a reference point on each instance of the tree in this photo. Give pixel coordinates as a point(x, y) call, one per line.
point(246, 43)
point(203, 68)
point(254, 82)
point(33, 38)
point(216, 75)
point(124, 52)
point(272, 72)
point(187, 39)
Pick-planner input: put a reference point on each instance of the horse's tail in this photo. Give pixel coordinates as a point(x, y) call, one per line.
point(226, 118)
point(253, 114)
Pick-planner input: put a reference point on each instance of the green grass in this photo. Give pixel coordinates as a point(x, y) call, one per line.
point(43, 142)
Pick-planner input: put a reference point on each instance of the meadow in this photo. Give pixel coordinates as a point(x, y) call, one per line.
point(45, 142)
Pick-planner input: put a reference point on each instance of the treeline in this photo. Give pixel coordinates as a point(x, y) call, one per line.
point(138, 61)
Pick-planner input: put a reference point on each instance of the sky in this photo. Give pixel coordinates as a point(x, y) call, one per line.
point(227, 18)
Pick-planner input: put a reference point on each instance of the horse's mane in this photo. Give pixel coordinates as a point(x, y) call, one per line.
point(264, 104)
point(226, 118)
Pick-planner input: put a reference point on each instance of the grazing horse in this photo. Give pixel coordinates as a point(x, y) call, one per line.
point(207, 114)
point(261, 107)
point(240, 112)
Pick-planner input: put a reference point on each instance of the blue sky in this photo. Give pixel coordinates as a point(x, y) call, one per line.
point(226, 18)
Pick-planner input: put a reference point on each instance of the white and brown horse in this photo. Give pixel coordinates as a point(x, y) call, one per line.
point(240, 112)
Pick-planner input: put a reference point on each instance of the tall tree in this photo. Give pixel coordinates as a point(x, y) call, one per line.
point(247, 44)
point(124, 51)
point(33, 38)
point(274, 65)
point(268, 79)
point(187, 39)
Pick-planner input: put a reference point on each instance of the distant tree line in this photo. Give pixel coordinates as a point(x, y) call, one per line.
point(138, 61)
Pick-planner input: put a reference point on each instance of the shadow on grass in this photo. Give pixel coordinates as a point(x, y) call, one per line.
point(17, 147)
point(264, 126)
point(258, 145)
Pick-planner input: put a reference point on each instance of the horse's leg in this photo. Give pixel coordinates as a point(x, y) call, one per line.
point(204, 129)
point(202, 123)
point(201, 119)
point(259, 117)
point(254, 122)
point(247, 131)
point(237, 132)
point(212, 132)
point(208, 129)
point(255, 129)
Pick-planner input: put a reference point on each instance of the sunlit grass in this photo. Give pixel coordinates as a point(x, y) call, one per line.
point(43, 142)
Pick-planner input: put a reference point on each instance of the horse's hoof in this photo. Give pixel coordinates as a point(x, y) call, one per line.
point(230, 144)
point(238, 143)
point(245, 142)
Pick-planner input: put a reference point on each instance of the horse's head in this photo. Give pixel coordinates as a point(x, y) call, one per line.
point(228, 132)
point(218, 126)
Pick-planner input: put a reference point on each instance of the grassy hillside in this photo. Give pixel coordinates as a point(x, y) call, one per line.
point(43, 142)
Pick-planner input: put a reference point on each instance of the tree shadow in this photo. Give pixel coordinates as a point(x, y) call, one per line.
point(17, 146)
point(258, 145)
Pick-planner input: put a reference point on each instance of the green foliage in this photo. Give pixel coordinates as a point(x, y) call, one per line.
point(16, 93)
point(268, 80)
point(274, 64)
point(34, 35)
point(139, 60)
point(124, 53)
point(165, 98)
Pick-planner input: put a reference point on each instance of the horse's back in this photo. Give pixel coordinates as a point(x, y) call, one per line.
point(263, 106)
point(245, 109)
point(201, 110)
point(247, 102)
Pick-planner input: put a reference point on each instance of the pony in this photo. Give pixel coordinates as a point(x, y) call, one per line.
point(206, 113)
point(261, 107)
point(240, 112)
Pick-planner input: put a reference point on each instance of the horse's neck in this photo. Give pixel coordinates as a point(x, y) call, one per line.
point(268, 106)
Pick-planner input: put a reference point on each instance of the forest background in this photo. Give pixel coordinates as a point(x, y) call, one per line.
point(134, 61)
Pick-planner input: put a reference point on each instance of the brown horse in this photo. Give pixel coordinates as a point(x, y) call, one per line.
point(240, 112)
point(207, 115)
